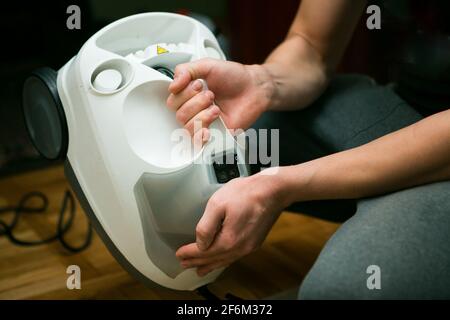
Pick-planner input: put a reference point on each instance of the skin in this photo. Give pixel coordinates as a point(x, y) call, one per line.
point(239, 216)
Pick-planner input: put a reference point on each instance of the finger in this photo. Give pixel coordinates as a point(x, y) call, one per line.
point(191, 251)
point(198, 262)
point(180, 80)
point(200, 138)
point(209, 224)
point(224, 244)
point(203, 119)
point(204, 270)
point(194, 105)
point(175, 101)
point(227, 235)
point(186, 72)
point(188, 251)
point(205, 260)
point(219, 249)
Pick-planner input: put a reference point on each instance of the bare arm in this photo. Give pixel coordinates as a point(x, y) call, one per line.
point(300, 66)
point(245, 209)
point(293, 76)
point(414, 155)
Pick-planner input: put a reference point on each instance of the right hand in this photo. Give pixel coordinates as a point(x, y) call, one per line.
point(238, 90)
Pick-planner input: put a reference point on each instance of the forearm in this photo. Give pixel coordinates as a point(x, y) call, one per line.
point(415, 155)
point(286, 82)
point(298, 74)
point(297, 71)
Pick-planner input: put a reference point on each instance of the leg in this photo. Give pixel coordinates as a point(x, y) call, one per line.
point(405, 233)
point(353, 111)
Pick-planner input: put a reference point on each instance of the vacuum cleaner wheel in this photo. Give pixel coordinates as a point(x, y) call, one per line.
point(44, 114)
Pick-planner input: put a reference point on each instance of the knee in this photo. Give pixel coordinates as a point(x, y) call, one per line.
point(338, 275)
point(403, 234)
point(342, 269)
point(330, 279)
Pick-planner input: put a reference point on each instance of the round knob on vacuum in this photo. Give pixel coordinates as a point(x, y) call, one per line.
point(108, 80)
point(44, 115)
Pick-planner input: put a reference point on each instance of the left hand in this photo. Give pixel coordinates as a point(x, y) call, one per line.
point(236, 221)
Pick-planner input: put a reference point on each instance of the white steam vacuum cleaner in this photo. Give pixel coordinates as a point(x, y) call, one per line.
point(138, 178)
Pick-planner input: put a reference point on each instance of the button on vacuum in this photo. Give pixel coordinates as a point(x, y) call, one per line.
point(224, 170)
point(108, 80)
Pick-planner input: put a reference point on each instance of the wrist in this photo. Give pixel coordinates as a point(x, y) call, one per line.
point(278, 186)
point(294, 183)
point(264, 84)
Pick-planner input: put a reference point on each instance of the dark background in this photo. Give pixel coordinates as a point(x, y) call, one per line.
point(412, 48)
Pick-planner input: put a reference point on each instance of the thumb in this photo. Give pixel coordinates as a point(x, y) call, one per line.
point(209, 225)
point(186, 72)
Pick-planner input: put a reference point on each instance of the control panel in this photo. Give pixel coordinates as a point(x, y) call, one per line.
point(226, 167)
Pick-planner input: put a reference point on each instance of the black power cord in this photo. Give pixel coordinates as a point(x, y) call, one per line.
point(67, 206)
point(204, 292)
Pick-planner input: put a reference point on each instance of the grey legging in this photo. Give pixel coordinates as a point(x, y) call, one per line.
point(405, 233)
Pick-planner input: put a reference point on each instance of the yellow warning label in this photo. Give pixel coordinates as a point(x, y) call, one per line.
point(161, 50)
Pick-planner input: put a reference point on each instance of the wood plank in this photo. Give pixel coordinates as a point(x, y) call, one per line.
point(39, 272)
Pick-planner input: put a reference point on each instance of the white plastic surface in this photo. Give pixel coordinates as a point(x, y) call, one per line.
point(107, 153)
point(108, 80)
point(212, 53)
point(152, 130)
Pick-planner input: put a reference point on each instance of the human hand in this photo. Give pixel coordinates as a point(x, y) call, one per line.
point(242, 93)
point(236, 221)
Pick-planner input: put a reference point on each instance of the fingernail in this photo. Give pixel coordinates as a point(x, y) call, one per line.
point(210, 95)
point(197, 85)
point(214, 110)
point(206, 135)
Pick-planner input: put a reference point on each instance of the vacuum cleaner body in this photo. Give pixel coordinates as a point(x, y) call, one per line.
point(134, 169)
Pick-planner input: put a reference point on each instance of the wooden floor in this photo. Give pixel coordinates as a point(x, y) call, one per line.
point(40, 272)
